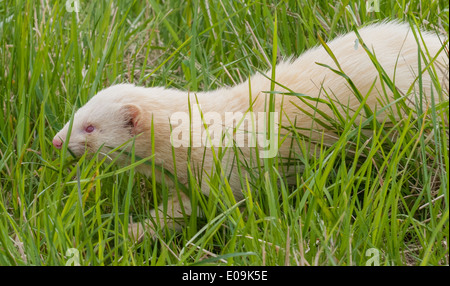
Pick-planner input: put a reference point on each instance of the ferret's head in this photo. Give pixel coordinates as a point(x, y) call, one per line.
point(109, 119)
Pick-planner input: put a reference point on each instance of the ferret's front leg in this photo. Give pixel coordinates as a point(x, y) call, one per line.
point(173, 217)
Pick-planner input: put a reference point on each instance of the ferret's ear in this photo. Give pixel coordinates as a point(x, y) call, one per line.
point(133, 116)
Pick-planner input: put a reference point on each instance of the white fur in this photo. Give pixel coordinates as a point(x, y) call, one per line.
point(109, 111)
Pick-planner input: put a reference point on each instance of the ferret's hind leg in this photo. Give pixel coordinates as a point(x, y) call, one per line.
point(177, 207)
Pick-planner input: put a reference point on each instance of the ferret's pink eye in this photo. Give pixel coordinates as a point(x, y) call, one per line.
point(89, 129)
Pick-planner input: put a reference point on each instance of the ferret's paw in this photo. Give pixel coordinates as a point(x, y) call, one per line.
point(136, 232)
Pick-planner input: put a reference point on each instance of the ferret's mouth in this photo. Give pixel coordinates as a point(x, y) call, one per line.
point(76, 150)
point(80, 149)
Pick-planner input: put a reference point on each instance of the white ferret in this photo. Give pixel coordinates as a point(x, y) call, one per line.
point(118, 113)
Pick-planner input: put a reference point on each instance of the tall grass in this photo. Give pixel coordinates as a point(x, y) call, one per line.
point(379, 195)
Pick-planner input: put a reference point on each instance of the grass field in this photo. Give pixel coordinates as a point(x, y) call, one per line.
point(383, 201)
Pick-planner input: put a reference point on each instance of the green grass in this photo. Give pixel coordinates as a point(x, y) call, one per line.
point(384, 191)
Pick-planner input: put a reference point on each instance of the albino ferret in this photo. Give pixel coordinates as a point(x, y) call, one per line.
point(120, 112)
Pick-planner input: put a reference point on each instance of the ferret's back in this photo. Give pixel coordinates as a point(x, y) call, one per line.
point(394, 46)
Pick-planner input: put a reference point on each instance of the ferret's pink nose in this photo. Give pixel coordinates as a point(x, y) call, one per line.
point(57, 143)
